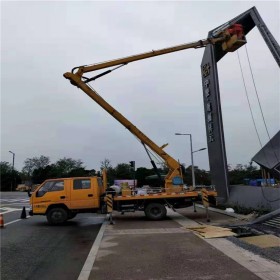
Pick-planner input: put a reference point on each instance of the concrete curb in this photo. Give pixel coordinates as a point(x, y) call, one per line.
point(85, 272)
point(263, 268)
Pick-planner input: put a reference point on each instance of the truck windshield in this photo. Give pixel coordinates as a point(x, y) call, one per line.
point(50, 186)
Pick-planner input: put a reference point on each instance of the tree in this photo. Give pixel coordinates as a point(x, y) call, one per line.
point(202, 177)
point(106, 163)
point(30, 164)
point(80, 172)
point(123, 171)
point(241, 172)
point(9, 177)
point(188, 175)
point(39, 175)
point(141, 174)
point(110, 171)
point(65, 166)
point(163, 168)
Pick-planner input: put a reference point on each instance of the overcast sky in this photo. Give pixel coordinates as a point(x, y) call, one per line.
point(43, 114)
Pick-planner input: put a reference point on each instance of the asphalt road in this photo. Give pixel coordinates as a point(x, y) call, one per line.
point(32, 249)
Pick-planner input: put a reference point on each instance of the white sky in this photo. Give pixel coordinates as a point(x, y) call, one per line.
point(43, 114)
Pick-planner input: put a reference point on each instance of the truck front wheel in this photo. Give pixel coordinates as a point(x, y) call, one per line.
point(155, 211)
point(57, 216)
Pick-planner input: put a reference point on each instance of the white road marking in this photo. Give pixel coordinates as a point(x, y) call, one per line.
point(11, 201)
point(15, 221)
point(16, 203)
point(14, 199)
point(9, 209)
point(6, 202)
point(85, 272)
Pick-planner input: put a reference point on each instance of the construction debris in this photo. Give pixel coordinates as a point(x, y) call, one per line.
point(212, 231)
point(263, 241)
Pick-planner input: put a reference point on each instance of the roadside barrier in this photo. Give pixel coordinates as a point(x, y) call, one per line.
point(205, 201)
point(109, 202)
point(1, 221)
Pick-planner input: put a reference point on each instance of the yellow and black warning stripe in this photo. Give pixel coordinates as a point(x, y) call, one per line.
point(109, 202)
point(205, 198)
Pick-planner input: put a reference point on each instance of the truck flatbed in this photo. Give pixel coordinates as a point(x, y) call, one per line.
point(187, 194)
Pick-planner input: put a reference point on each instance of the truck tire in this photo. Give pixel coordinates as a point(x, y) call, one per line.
point(155, 211)
point(57, 216)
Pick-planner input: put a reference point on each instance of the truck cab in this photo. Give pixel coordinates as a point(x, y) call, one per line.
point(62, 199)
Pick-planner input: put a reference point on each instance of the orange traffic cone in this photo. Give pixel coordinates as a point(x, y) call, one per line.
point(1, 221)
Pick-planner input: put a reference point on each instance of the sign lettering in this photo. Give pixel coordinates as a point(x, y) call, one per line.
point(207, 95)
point(206, 70)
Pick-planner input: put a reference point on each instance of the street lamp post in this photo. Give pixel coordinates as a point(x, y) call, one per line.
point(13, 169)
point(193, 175)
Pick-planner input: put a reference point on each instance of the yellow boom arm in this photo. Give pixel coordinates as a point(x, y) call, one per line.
point(229, 39)
point(173, 165)
point(80, 70)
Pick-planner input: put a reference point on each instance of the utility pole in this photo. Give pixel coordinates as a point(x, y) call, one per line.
point(193, 175)
point(13, 171)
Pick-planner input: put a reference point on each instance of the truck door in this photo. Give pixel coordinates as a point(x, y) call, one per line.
point(51, 191)
point(82, 194)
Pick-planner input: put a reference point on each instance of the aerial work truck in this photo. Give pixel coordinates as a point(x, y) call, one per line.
point(62, 199)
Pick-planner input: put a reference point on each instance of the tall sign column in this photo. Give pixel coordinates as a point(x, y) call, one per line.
point(214, 124)
point(211, 95)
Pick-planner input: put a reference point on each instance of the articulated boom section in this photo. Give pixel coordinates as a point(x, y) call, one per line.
point(229, 38)
point(174, 180)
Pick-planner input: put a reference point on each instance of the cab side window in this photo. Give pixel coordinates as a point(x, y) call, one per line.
point(50, 186)
point(57, 186)
point(81, 184)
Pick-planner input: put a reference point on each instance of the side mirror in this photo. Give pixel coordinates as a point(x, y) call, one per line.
point(29, 193)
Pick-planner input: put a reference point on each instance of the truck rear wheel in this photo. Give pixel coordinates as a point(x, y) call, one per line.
point(155, 211)
point(57, 216)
